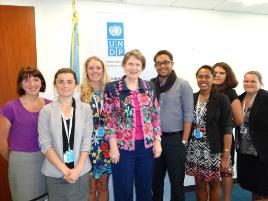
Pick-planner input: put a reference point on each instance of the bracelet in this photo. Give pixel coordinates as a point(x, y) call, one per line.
point(157, 138)
point(184, 142)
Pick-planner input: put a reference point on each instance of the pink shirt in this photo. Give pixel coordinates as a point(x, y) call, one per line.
point(139, 129)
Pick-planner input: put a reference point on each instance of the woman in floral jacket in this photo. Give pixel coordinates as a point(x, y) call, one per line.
point(133, 129)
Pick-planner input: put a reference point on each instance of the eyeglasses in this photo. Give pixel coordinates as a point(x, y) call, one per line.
point(165, 63)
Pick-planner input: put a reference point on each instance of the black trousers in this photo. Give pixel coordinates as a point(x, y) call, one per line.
point(171, 160)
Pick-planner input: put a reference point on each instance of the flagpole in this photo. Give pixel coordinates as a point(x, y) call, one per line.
point(74, 57)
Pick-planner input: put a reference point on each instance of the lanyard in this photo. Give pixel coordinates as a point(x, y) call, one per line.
point(68, 132)
point(250, 103)
point(200, 107)
point(96, 98)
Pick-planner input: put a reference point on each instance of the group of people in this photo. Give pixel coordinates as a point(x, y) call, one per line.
point(136, 131)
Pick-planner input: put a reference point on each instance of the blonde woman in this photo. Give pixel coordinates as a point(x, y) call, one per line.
point(91, 92)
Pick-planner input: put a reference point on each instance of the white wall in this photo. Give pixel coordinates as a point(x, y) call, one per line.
point(195, 37)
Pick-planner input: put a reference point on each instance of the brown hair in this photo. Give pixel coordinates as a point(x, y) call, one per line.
point(26, 72)
point(86, 88)
point(65, 70)
point(137, 54)
point(230, 80)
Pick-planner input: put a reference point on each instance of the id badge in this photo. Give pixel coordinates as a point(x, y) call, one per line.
point(68, 156)
point(197, 133)
point(243, 130)
point(100, 132)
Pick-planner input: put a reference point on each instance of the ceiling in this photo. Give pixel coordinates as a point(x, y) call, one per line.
point(217, 5)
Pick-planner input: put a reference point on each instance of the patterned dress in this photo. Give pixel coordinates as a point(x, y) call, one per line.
point(99, 153)
point(200, 162)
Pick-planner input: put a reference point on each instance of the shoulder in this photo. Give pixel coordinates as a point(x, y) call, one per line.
point(183, 84)
point(219, 97)
point(262, 96)
point(148, 84)
point(231, 94)
point(112, 84)
point(263, 92)
point(82, 105)
point(12, 104)
point(182, 81)
point(10, 108)
point(52, 105)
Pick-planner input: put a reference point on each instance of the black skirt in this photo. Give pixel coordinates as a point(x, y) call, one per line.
point(252, 174)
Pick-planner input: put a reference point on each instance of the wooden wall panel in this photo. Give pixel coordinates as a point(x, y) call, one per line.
point(17, 48)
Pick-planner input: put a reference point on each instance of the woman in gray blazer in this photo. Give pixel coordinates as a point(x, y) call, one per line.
point(65, 128)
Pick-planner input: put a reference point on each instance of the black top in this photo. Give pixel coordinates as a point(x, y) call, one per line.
point(218, 119)
point(258, 124)
point(231, 94)
point(64, 135)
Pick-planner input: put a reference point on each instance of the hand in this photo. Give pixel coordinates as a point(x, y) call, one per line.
point(157, 149)
point(73, 175)
point(114, 154)
point(225, 165)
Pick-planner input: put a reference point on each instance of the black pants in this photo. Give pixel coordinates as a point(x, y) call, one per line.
point(171, 160)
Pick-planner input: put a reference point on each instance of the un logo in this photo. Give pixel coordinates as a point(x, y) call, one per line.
point(115, 30)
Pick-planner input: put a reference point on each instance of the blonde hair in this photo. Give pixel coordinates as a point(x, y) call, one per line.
point(86, 90)
point(257, 74)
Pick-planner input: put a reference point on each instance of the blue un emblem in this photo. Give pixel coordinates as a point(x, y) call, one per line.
point(115, 36)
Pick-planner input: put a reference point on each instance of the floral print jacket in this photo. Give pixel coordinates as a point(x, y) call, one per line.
point(119, 110)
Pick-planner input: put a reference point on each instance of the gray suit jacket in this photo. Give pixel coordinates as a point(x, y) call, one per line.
point(50, 134)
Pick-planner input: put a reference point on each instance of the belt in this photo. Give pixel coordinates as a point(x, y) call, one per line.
point(164, 134)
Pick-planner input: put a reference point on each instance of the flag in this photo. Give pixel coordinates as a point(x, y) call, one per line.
point(74, 57)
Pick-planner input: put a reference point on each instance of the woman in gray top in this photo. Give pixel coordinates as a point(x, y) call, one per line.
point(65, 128)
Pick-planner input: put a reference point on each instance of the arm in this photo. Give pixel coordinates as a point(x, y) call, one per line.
point(46, 143)
point(227, 142)
point(114, 152)
point(226, 125)
point(54, 158)
point(110, 111)
point(186, 131)
point(157, 148)
point(238, 118)
point(5, 126)
point(188, 110)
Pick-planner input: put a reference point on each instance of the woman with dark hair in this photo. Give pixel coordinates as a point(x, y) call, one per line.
point(65, 128)
point(91, 92)
point(19, 137)
point(252, 138)
point(225, 81)
point(208, 152)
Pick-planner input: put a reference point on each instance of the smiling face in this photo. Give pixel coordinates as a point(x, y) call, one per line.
point(204, 79)
point(133, 68)
point(220, 75)
point(251, 83)
point(31, 85)
point(65, 84)
point(163, 66)
point(95, 71)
